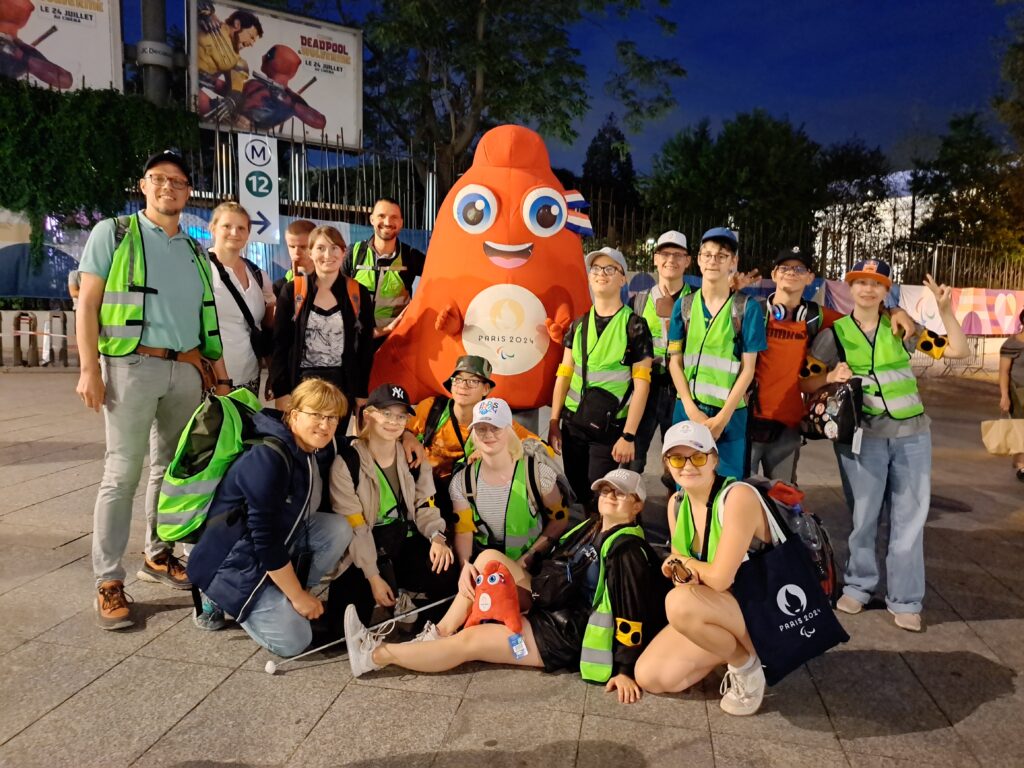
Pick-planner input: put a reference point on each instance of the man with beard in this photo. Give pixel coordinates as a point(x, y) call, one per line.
point(385, 266)
point(146, 317)
point(222, 70)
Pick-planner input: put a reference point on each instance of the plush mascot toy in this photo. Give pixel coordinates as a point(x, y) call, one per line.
point(504, 277)
point(496, 599)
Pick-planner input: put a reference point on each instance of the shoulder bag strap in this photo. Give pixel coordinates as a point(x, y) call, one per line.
point(242, 306)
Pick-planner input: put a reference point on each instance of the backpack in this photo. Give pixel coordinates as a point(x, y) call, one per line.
point(219, 431)
point(533, 492)
point(738, 308)
point(434, 419)
point(786, 501)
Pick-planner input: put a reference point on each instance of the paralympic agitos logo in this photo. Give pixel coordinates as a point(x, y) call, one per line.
point(792, 601)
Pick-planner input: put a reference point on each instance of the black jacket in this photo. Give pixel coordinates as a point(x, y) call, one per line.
point(290, 339)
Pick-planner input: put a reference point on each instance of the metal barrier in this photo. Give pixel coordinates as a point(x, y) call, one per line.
point(973, 363)
point(19, 332)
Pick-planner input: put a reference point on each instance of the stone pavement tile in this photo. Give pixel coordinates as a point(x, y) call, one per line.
point(613, 743)
point(116, 718)
point(681, 710)
point(411, 729)
point(251, 718)
point(48, 600)
point(974, 594)
point(70, 511)
point(561, 691)
point(156, 609)
point(738, 752)
point(878, 706)
point(32, 491)
point(792, 712)
point(229, 647)
point(865, 760)
point(37, 443)
point(874, 629)
point(320, 666)
point(451, 683)
point(54, 462)
point(20, 564)
point(502, 734)
point(36, 677)
point(48, 538)
point(1004, 638)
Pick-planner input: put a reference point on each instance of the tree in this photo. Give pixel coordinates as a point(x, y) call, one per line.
point(1010, 105)
point(972, 183)
point(608, 167)
point(855, 182)
point(437, 75)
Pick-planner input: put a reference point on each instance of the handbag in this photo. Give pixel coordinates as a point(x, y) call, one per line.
point(1003, 437)
point(260, 339)
point(559, 580)
point(833, 412)
point(788, 615)
point(596, 416)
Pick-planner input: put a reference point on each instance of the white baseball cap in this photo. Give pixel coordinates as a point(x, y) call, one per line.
point(493, 411)
point(624, 481)
point(613, 254)
point(691, 435)
point(672, 237)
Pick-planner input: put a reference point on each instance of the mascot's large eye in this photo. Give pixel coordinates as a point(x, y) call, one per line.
point(475, 209)
point(544, 211)
point(479, 580)
point(494, 578)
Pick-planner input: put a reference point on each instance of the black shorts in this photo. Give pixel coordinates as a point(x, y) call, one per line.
point(559, 635)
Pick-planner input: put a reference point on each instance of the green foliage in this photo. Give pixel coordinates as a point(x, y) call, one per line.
point(1011, 103)
point(608, 165)
point(855, 178)
point(61, 153)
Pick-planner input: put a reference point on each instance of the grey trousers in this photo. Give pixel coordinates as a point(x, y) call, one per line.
point(148, 403)
point(777, 460)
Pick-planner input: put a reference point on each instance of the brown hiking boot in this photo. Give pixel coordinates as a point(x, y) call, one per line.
point(166, 569)
point(112, 610)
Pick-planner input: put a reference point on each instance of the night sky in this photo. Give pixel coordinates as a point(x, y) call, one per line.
point(890, 72)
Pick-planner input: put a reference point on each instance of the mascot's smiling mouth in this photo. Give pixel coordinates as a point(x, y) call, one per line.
point(507, 256)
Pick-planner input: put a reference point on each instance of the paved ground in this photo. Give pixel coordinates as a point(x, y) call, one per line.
point(165, 694)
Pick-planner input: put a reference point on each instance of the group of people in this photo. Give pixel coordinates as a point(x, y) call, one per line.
point(425, 498)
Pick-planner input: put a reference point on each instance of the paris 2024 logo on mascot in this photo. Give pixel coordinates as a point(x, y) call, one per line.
point(504, 277)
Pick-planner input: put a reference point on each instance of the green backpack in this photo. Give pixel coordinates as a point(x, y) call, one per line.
point(219, 432)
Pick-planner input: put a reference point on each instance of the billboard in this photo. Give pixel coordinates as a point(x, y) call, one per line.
point(259, 71)
point(61, 44)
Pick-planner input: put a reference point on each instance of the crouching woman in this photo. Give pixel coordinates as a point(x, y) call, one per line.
point(265, 544)
point(600, 630)
point(714, 522)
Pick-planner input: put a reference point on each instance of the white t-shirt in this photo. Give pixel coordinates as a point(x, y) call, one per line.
point(239, 358)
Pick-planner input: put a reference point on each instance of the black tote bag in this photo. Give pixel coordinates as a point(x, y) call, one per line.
point(788, 616)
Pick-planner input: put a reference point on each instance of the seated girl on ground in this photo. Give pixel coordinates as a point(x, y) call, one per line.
point(601, 629)
point(714, 522)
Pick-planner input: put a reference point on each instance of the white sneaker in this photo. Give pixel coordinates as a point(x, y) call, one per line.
point(428, 633)
point(849, 605)
point(361, 643)
point(742, 692)
point(404, 604)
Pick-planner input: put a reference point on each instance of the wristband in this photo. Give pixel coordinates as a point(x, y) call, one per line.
point(439, 535)
point(629, 437)
point(225, 383)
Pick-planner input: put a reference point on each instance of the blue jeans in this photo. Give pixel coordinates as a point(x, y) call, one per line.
point(273, 623)
point(905, 465)
point(733, 449)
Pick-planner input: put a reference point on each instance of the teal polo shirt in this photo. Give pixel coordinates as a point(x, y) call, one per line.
point(172, 314)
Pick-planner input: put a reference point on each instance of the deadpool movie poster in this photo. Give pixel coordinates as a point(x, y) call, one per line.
point(262, 72)
point(61, 44)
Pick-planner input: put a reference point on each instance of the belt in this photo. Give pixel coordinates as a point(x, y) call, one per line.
point(160, 352)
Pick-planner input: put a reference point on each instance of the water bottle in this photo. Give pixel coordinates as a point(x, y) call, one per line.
point(804, 527)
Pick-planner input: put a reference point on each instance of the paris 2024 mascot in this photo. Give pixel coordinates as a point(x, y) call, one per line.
point(504, 277)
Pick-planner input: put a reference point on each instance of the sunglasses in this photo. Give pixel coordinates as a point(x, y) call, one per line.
point(678, 461)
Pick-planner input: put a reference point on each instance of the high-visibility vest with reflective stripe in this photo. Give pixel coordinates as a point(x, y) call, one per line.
point(391, 296)
point(596, 659)
point(682, 539)
point(887, 380)
point(185, 496)
point(605, 368)
point(522, 528)
point(388, 512)
point(124, 298)
point(709, 357)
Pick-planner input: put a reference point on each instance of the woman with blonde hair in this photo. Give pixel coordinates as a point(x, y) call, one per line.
point(324, 326)
point(266, 544)
point(244, 296)
point(399, 533)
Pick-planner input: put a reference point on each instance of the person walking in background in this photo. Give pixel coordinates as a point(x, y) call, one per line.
point(1011, 385)
point(146, 319)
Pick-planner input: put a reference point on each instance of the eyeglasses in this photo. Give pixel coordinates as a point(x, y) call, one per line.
point(159, 180)
point(720, 256)
point(486, 430)
point(467, 381)
point(786, 269)
point(678, 461)
point(322, 418)
point(669, 255)
point(613, 493)
point(392, 418)
point(607, 270)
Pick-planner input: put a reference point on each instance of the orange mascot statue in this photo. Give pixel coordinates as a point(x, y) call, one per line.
point(504, 277)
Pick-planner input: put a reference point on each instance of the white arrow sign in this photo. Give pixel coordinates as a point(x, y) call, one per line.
point(257, 171)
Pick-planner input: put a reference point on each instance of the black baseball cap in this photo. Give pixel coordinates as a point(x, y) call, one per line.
point(172, 156)
point(387, 395)
point(804, 257)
